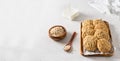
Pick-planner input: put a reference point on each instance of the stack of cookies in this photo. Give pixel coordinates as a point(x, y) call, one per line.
point(95, 36)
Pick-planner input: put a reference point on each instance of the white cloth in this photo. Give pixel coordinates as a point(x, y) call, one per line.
point(106, 6)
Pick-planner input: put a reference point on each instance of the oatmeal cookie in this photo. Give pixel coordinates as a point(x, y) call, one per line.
point(103, 45)
point(101, 34)
point(86, 32)
point(90, 43)
point(87, 22)
point(97, 21)
point(101, 26)
point(88, 27)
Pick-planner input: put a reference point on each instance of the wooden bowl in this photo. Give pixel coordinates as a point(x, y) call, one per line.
point(60, 37)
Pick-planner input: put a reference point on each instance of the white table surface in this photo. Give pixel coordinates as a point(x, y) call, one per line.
point(24, 28)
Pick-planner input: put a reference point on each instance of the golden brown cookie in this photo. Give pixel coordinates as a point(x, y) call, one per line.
point(90, 43)
point(88, 27)
point(103, 45)
point(86, 32)
point(102, 27)
point(101, 34)
point(87, 22)
point(97, 21)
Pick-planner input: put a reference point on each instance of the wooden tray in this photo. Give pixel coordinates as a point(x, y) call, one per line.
point(82, 52)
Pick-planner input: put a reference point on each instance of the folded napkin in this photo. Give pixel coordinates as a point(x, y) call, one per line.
point(106, 6)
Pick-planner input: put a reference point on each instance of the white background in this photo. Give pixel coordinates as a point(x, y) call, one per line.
point(24, 26)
